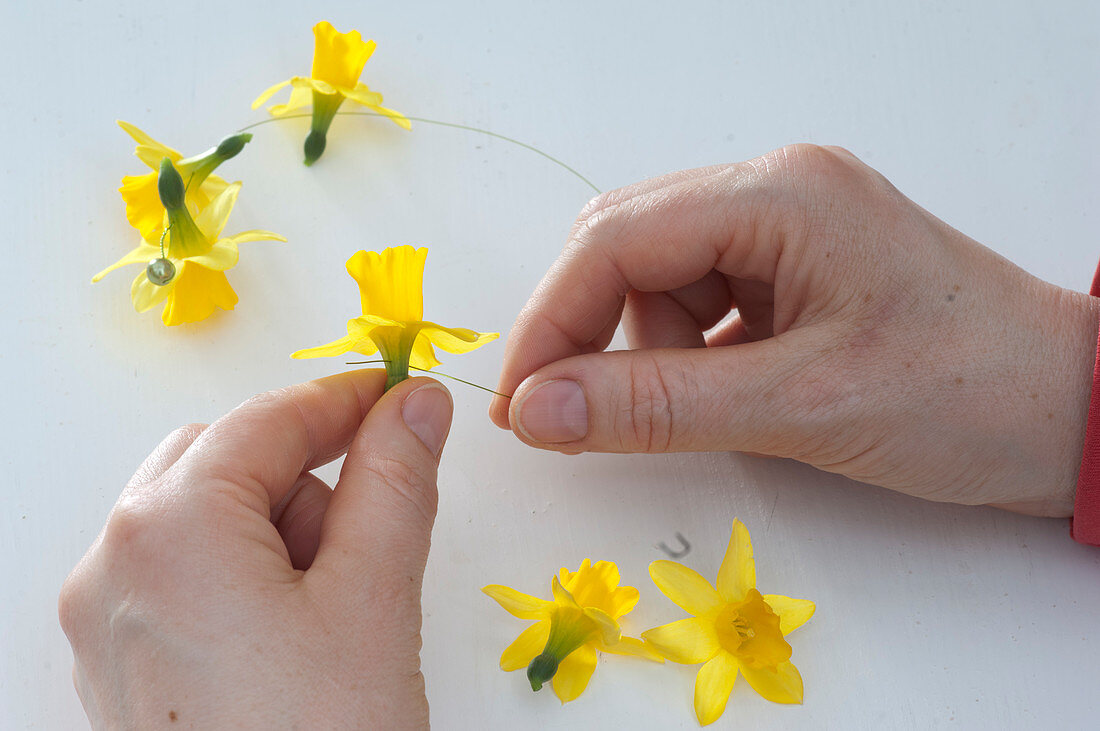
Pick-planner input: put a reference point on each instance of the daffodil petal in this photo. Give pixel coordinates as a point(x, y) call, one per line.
point(211, 220)
point(632, 647)
point(517, 603)
point(526, 647)
point(685, 587)
point(688, 641)
point(146, 295)
point(336, 347)
point(455, 340)
point(422, 356)
point(574, 672)
point(738, 571)
point(783, 684)
point(323, 87)
point(793, 613)
point(609, 629)
point(713, 685)
point(268, 93)
point(362, 94)
point(141, 255)
point(149, 151)
point(301, 95)
point(223, 255)
point(397, 117)
point(253, 235)
point(562, 595)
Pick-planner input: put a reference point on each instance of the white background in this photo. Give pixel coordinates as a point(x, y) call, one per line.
point(929, 616)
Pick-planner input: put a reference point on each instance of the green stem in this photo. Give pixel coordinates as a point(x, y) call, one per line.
point(437, 122)
point(434, 373)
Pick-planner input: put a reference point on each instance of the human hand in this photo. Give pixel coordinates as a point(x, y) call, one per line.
point(231, 588)
point(871, 339)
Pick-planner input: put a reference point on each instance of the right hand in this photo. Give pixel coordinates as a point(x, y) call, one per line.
point(870, 338)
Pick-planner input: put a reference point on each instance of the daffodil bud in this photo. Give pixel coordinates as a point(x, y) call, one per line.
point(170, 185)
point(541, 670)
point(231, 145)
point(315, 146)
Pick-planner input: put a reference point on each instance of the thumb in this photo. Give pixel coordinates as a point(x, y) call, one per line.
point(377, 528)
point(750, 397)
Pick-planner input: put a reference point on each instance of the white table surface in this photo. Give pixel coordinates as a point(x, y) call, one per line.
point(929, 616)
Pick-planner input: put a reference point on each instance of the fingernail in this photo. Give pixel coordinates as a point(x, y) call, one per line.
point(427, 412)
point(554, 412)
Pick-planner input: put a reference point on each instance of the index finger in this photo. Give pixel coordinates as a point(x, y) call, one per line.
point(656, 241)
point(258, 450)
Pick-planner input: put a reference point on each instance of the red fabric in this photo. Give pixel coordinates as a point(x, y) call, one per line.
point(1085, 523)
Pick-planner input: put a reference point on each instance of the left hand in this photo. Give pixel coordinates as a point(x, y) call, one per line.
point(232, 588)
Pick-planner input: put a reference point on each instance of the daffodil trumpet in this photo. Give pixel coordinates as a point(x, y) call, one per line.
point(391, 294)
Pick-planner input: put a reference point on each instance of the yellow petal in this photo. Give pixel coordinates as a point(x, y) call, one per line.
point(610, 632)
point(793, 613)
point(632, 647)
point(222, 255)
point(713, 685)
point(301, 95)
point(391, 283)
point(268, 93)
point(144, 210)
point(362, 94)
point(738, 571)
point(253, 235)
point(517, 603)
point(783, 684)
point(196, 293)
point(621, 601)
point(149, 151)
point(457, 340)
point(336, 347)
point(212, 219)
point(574, 672)
point(524, 648)
point(398, 118)
point(141, 255)
point(338, 58)
point(422, 356)
point(688, 641)
point(146, 295)
point(562, 596)
point(685, 587)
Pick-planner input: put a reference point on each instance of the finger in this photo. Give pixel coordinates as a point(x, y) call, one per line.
point(256, 452)
point(751, 397)
point(166, 454)
point(659, 241)
point(676, 319)
point(378, 526)
point(299, 520)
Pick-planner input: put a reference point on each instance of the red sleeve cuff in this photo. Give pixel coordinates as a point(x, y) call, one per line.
point(1085, 523)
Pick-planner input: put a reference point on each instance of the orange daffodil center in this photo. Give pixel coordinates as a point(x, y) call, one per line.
point(392, 324)
point(735, 629)
point(583, 618)
point(338, 61)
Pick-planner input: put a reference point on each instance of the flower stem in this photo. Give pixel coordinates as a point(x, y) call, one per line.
point(434, 373)
point(439, 123)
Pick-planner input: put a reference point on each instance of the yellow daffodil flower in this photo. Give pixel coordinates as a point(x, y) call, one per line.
point(189, 272)
point(143, 207)
point(338, 60)
point(582, 618)
point(734, 629)
point(391, 292)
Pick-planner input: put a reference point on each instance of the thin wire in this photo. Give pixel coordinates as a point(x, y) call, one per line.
point(165, 233)
point(453, 125)
point(434, 373)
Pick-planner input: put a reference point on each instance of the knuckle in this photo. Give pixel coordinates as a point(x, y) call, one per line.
point(71, 603)
point(408, 486)
point(131, 528)
point(653, 397)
